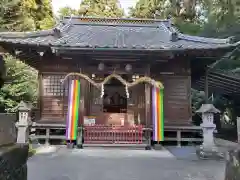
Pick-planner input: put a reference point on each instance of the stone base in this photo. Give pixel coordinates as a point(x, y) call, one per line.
point(157, 147)
point(79, 146)
point(232, 170)
point(207, 153)
point(148, 147)
point(70, 145)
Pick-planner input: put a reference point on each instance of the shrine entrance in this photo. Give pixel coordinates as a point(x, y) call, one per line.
point(114, 103)
point(115, 122)
point(114, 99)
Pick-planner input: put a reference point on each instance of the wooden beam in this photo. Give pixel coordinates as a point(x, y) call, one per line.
point(215, 87)
point(220, 85)
point(40, 93)
point(212, 89)
point(147, 98)
point(234, 78)
point(206, 87)
point(229, 85)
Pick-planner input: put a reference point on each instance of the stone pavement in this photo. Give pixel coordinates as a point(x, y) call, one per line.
point(116, 164)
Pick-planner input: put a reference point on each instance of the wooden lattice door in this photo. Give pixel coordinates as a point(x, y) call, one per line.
point(52, 93)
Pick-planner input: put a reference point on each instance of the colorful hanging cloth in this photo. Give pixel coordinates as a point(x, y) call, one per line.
point(73, 109)
point(157, 114)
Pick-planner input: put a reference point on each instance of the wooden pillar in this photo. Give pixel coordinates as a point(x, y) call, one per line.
point(238, 129)
point(40, 93)
point(147, 100)
point(206, 87)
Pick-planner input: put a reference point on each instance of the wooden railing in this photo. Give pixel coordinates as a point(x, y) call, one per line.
point(179, 131)
point(113, 134)
point(47, 136)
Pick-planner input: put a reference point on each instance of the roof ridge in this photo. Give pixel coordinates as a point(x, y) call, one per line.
point(27, 34)
point(55, 31)
point(110, 18)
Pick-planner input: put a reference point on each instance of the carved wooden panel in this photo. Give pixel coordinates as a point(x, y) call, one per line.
point(177, 103)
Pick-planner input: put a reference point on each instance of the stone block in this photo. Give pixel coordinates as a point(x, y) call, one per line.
point(209, 153)
point(158, 147)
point(232, 171)
point(13, 162)
point(8, 132)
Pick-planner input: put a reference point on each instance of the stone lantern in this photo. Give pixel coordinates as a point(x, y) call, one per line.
point(24, 121)
point(208, 148)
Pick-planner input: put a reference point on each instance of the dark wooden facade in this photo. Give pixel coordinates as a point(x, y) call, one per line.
point(153, 48)
point(174, 74)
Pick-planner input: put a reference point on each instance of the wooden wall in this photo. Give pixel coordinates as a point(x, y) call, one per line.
point(176, 77)
point(177, 104)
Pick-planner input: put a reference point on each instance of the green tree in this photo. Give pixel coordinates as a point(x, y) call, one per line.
point(178, 9)
point(12, 16)
point(38, 13)
point(21, 80)
point(222, 18)
point(21, 84)
point(67, 11)
point(101, 8)
point(44, 15)
point(183, 13)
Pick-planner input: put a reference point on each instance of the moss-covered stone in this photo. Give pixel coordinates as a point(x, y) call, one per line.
point(13, 162)
point(233, 165)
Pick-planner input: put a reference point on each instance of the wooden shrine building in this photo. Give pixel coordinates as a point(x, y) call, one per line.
point(130, 48)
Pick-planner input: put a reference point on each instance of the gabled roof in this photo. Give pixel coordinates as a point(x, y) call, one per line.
point(85, 32)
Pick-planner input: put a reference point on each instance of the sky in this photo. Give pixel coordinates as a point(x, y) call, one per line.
point(75, 4)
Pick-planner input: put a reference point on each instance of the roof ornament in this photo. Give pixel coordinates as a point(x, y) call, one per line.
point(174, 33)
point(57, 31)
point(174, 36)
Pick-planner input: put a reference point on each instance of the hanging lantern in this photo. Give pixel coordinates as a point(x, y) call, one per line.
point(101, 67)
point(128, 67)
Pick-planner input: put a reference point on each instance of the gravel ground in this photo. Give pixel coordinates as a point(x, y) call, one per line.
point(116, 164)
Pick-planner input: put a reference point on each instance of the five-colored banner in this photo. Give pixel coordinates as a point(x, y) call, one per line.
point(73, 109)
point(157, 114)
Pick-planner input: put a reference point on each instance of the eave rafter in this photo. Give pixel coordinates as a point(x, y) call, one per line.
point(221, 83)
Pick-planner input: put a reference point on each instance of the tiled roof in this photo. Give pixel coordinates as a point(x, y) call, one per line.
point(80, 32)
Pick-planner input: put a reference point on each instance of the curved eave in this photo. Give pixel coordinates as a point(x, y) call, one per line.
point(199, 39)
point(50, 43)
point(163, 48)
